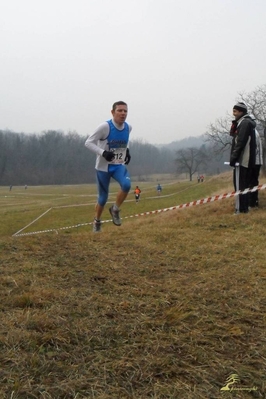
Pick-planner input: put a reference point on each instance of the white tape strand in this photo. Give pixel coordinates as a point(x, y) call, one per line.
point(35, 220)
point(186, 205)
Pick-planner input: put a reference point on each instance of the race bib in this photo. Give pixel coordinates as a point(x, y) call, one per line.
point(119, 154)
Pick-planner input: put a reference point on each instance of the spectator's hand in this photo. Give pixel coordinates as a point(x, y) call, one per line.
point(128, 157)
point(108, 155)
point(233, 163)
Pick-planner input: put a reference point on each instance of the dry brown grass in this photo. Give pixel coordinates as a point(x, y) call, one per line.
point(166, 306)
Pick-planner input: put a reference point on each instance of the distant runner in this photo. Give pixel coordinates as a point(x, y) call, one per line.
point(137, 192)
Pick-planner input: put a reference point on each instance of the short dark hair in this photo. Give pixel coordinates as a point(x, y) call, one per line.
point(118, 103)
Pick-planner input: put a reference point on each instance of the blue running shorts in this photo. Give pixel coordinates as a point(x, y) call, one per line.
point(118, 173)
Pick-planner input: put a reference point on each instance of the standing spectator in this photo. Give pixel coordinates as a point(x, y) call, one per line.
point(255, 171)
point(243, 150)
point(137, 192)
point(110, 143)
point(159, 189)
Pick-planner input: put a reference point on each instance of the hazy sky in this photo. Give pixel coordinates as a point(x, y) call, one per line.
point(178, 64)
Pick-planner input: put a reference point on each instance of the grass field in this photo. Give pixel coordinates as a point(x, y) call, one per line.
point(168, 305)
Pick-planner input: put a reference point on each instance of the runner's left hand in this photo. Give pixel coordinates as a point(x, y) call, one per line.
point(128, 157)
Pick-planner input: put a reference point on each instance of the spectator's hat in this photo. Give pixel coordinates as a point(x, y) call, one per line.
point(241, 107)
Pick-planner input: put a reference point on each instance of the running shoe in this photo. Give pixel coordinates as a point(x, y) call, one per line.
point(96, 226)
point(115, 215)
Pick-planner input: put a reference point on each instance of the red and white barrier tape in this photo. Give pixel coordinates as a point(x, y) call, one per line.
point(202, 201)
point(186, 205)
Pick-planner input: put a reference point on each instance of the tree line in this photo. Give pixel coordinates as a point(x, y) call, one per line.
point(55, 157)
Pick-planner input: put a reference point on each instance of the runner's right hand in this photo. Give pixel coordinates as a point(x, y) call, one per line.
point(108, 155)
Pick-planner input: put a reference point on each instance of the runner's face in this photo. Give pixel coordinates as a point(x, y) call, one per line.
point(120, 114)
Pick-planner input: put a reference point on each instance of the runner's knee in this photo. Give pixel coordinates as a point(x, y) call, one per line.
point(126, 185)
point(102, 199)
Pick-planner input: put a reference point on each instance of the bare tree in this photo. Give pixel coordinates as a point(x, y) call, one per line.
point(189, 160)
point(218, 135)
